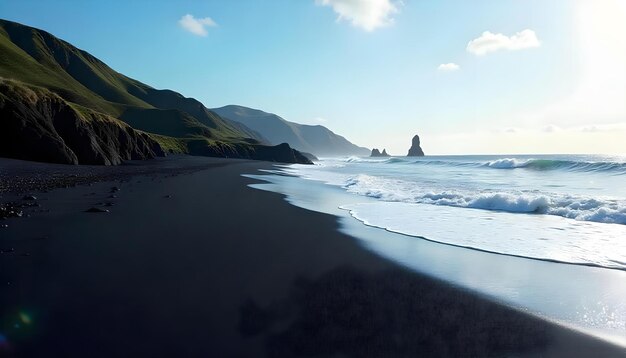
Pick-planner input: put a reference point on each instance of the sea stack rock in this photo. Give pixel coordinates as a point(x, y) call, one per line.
point(377, 153)
point(416, 150)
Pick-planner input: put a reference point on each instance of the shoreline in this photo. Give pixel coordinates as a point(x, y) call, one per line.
point(195, 262)
point(555, 261)
point(591, 304)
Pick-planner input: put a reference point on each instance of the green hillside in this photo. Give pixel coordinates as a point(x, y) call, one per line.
point(180, 124)
point(37, 124)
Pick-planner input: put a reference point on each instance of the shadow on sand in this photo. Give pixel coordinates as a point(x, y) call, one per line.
point(391, 313)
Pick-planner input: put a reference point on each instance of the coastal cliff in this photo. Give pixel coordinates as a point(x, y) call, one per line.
point(61, 104)
point(282, 153)
point(36, 124)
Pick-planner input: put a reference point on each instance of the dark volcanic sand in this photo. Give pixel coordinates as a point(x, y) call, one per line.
point(199, 264)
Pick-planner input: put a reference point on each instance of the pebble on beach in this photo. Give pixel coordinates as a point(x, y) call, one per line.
point(96, 210)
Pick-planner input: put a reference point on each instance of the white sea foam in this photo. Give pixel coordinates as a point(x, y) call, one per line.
point(366, 160)
point(548, 238)
point(568, 206)
point(508, 163)
point(518, 211)
point(561, 208)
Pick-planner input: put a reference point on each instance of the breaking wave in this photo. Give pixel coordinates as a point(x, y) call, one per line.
point(552, 164)
point(507, 163)
point(568, 206)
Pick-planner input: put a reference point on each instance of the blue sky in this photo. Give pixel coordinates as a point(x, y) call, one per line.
point(369, 69)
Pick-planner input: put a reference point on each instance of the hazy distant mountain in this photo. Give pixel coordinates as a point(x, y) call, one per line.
point(56, 98)
point(314, 139)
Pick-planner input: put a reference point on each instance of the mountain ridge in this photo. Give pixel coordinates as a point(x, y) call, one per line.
point(37, 59)
point(314, 139)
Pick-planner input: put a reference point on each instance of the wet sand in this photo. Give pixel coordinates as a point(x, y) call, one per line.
point(189, 261)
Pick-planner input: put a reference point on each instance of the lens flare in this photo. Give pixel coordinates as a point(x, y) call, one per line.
point(4, 343)
point(25, 318)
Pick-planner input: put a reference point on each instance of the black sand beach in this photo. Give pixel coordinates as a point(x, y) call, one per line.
point(189, 261)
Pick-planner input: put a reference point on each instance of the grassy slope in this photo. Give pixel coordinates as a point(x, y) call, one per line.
point(37, 123)
point(31, 93)
point(36, 57)
point(15, 63)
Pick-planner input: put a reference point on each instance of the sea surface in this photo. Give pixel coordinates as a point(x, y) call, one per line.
point(563, 208)
point(542, 234)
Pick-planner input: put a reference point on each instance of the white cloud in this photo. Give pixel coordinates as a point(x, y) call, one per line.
point(366, 14)
point(590, 129)
point(196, 26)
point(490, 42)
point(321, 120)
point(596, 128)
point(550, 128)
point(449, 67)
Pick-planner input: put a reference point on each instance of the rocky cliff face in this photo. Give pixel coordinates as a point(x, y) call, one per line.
point(279, 153)
point(377, 153)
point(415, 150)
point(71, 108)
point(36, 124)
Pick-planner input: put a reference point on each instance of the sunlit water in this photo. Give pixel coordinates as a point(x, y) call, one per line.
point(559, 208)
point(541, 234)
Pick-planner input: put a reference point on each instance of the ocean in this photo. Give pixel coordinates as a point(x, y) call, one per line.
point(542, 234)
point(561, 208)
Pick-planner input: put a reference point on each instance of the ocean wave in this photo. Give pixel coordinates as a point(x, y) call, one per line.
point(507, 163)
point(376, 160)
point(354, 159)
point(555, 164)
point(447, 163)
point(567, 206)
point(395, 160)
point(537, 164)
